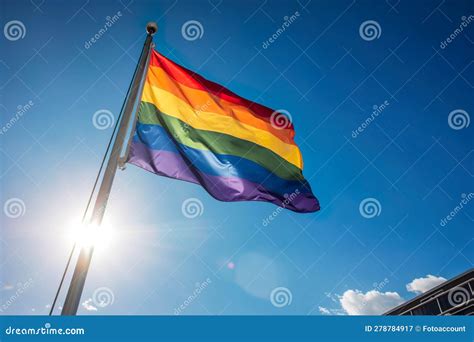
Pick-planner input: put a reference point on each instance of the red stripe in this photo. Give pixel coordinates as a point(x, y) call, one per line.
point(193, 80)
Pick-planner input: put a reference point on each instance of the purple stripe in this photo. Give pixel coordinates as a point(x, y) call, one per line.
point(226, 189)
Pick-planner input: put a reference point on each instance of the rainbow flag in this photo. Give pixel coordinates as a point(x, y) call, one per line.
point(192, 129)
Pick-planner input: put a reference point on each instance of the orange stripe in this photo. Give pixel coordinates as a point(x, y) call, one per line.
point(203, 101)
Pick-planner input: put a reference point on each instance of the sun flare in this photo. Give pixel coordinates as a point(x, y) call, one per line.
point(92, 235)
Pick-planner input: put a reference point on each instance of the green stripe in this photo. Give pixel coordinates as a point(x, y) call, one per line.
point(218, 143)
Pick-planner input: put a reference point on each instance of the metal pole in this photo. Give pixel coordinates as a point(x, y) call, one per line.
point(78, 280)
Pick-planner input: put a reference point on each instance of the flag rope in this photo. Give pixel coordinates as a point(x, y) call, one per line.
point(93, 191)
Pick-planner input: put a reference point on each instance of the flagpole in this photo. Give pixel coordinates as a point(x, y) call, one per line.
point(78, 280)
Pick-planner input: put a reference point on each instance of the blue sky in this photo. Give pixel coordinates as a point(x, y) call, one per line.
point(413, 157)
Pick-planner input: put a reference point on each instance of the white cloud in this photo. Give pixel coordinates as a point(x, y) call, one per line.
point(88, 306)
point(421, 285)
point(328, 311)
point(375, 302)
point(324, 311)
point(7, 287)
point(355, 302)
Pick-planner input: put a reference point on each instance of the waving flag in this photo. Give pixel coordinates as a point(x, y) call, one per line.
point(195, 130)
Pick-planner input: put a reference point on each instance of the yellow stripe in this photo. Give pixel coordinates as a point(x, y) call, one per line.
point(174, 106)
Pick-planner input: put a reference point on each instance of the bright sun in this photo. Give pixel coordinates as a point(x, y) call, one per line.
point(92, 235)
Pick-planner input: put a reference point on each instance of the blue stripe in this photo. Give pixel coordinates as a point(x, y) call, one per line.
point(156, 138)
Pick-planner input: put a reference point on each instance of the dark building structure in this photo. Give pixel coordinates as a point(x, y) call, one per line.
point(453, 297)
